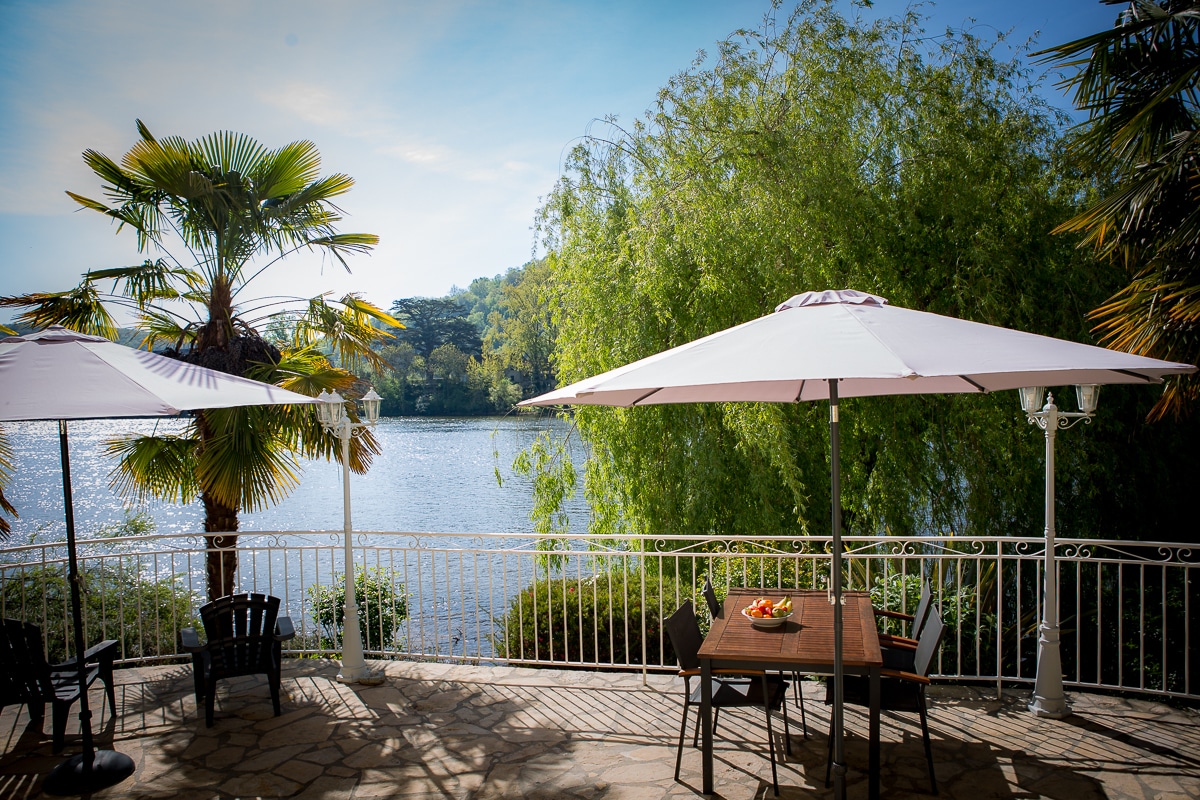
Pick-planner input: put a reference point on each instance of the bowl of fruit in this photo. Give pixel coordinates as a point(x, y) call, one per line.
point(763, 613)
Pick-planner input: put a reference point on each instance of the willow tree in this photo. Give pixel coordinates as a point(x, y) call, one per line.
point(213, 214)
point(819, 152)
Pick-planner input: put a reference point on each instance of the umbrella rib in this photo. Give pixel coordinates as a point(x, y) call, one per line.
point(800, 393)
point(1131, 373)
point(973, 383)
point(647, 394)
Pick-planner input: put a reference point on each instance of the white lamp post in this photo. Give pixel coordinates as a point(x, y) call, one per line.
point(1048, 698)
point(332, 413)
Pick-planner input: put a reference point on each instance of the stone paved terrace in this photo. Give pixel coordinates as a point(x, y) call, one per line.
point(445, 731)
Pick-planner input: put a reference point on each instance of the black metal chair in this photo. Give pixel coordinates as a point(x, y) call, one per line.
point(27, 678)
point(245, 637)
point(899, 650)
point(714, 609)
point(898, 690)
point(750, 690)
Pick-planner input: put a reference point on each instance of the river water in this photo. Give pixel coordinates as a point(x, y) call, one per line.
point(433, 475)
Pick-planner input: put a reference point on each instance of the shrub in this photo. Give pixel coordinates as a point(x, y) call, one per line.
point(589, 620)
point(143, 614)
point(381, 601)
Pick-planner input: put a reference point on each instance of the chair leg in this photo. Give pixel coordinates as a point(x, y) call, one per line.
point(928, 747)
point(787, 730)
point(767, 697)
point(60, 713)
point(682, 733)
point(800, 702)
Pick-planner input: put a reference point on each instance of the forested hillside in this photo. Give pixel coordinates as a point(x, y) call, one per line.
point(475, 351)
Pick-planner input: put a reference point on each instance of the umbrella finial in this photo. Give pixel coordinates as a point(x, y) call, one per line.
point(832, 297)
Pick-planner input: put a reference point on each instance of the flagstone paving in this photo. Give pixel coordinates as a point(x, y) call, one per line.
point(450, 731)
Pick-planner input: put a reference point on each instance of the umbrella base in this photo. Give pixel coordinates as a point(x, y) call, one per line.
point(69, 778)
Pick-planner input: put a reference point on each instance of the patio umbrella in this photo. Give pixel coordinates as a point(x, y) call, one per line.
point(833, 344)
point(59, 374)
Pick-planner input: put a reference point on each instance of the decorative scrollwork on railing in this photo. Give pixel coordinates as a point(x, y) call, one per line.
point(1069, 549)
point(1026, 547)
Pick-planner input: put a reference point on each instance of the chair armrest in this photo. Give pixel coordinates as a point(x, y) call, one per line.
point(284, 629)
point(904, 676)
point(879, 612)
point(106, 651)
point(190, 641)
point(747, 672)
point(897, 642)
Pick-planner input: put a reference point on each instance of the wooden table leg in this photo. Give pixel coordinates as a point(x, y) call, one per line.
point(873, 774)
point(706, 731)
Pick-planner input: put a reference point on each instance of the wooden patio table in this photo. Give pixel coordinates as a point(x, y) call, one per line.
point(803, 643)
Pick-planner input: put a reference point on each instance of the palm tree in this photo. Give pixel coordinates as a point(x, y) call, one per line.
point(1138, 83)
point(209, 211)
point(6, 469)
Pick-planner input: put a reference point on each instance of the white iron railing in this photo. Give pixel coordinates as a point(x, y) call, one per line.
point(485, 598)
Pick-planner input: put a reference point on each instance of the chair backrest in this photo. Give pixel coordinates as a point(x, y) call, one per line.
point(684, 633)
point(919, 616)
point(931, 639)
point(241, 631)
point(710, 597)
point(24, 673)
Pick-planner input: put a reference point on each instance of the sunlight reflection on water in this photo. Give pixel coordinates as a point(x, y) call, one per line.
point(434, 474)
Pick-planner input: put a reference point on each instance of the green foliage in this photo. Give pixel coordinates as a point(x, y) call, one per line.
point(585, 620)
point(382, 606)
point(476, 351)
point(899, 592)
point(547, 462)
point(1137, 80)
point(819, 153)
point(143, 612)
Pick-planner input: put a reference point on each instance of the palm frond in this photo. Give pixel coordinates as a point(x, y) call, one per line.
point(162, 467)
point(347, 327)
point(287, 171)
point(231, 152)
point(248, 461)
point(148, 281)
point(79, 309)
point(161, 326)
point(7, 467)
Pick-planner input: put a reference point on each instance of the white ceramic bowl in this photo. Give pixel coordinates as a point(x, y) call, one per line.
point(766, 622)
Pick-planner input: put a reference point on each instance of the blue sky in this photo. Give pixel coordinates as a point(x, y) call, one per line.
point(453, 117)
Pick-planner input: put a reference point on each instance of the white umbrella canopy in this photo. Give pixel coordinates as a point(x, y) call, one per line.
point(826, 345)
point(870, 347)
point(60, 374)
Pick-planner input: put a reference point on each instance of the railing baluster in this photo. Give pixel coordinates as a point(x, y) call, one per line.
point(134, 579)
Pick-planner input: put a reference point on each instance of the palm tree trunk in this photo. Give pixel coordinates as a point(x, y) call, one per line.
point(221, 553)
point(221, 557)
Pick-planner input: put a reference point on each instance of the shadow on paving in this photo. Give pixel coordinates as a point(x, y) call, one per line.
point(439, 738)
point(479, 733)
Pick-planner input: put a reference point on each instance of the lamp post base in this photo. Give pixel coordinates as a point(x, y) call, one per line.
point(1048, 699)
point(70, 778)
point(1040, 707)
point(362, 675)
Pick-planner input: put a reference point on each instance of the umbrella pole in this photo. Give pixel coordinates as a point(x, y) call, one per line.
point(835, 446)
point(91, 770)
